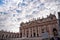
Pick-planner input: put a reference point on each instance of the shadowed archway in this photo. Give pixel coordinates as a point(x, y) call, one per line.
point(55, 32)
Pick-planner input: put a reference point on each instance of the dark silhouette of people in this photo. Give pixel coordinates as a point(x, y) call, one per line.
point(55, 38)
point(52, 38)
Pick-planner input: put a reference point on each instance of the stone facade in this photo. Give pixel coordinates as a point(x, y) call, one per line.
point(39, 29)
point(37, 38)
point(5, 35)
point(43, 28)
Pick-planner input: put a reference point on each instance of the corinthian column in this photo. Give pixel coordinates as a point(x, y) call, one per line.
point(29, 33)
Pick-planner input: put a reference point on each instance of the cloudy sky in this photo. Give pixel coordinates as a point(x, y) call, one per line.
point(13, 12)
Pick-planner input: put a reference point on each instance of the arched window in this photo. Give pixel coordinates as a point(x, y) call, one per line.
point(34, 34)
point(3, 36)
point(55, 33)
point(20, 34)
point(42, 30)
point(31, 35)
point(6, 36)
point(27, 34)
point(37, 35)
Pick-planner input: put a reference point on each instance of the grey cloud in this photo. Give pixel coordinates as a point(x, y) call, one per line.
point(50, 1)
point(18, 11)
point(19, 19)
point(13, 14)
point(29, 16)
point(2, 25)
point(3, 19)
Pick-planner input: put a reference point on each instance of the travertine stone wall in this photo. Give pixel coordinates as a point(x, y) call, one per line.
point(37, 28)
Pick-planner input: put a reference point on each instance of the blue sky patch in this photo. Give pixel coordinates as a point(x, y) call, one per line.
point(1, 2)
point(22, 4)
